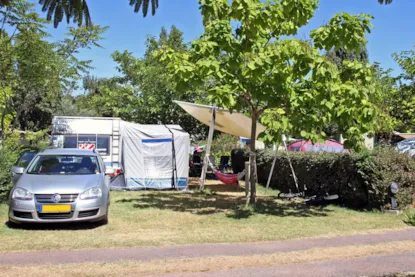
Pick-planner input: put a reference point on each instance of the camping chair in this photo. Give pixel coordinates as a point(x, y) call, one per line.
point(224, 163)
point(196, 165)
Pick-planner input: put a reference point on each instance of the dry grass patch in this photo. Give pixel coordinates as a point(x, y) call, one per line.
point(173, 218)
point(206, 264)
point(411, 274)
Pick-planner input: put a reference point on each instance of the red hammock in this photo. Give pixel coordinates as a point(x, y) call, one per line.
point(229, 179)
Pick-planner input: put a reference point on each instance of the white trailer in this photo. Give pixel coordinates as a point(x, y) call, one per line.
point(102, 133)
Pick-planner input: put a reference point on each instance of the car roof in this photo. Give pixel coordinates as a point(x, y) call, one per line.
point(68, 151)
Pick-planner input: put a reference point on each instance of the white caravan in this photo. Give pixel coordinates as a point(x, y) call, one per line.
point(101, 133)
point(151, 156)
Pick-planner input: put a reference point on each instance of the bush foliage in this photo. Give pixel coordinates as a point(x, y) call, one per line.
point(361, 179)
point(409, 217)
point(10, 150)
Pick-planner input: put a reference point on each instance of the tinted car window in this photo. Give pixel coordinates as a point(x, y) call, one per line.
point(65, 164)
point(25, 159)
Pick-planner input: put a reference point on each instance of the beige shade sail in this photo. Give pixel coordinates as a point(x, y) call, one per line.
point(236, 124)
point(405, 135)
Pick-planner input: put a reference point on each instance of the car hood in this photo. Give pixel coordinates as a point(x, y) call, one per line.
point(49, 184)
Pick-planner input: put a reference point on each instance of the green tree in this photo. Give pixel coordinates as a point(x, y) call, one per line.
point(338, 56)
point(68, 107)
point(111, 98)
point(402, 102)
point(386, 87)
point(78, 10)
point(144, 91)
point(257, 66)
point(385, 2)
point(36, 72)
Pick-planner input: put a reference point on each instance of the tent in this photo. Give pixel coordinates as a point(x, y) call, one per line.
point(153, 157)
point(308, 146)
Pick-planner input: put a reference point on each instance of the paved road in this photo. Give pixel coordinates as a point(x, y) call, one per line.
point(194, 251)
point(365, 266)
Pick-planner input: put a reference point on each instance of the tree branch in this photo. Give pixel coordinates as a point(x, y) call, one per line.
point(4, 22)
point(247, 100)
point(261, 111)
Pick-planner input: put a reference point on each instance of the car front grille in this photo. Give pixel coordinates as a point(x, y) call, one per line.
point(47, 198)
point(88, 213)
point(52, 216)
point(26, 215)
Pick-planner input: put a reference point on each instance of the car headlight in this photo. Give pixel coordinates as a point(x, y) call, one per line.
point(22, 194)
point(91, 193)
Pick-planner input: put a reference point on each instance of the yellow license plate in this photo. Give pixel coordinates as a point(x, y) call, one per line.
point(55, 208)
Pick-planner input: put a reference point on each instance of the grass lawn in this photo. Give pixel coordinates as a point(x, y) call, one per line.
point(174, 218)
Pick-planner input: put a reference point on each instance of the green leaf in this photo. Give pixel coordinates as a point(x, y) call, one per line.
point(252, 65)
point(280, 111)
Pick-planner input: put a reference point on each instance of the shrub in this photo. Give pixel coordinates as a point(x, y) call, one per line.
point(361, 179)
point(409, 217)
point(384, 166)
point(10, 151)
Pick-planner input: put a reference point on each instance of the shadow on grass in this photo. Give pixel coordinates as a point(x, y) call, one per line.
point(232, 206)
point(54, 226)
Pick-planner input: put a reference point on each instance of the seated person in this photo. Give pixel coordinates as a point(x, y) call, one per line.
point(86, 166)
point(48, 165)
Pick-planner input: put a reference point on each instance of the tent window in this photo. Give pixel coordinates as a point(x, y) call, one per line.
point(103, 144)
point(158, 166)
point(69, 142)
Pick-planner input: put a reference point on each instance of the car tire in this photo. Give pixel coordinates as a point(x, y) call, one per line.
point(104, 221)
point(12, 224)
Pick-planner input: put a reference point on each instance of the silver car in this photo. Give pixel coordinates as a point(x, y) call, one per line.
point(61, 185)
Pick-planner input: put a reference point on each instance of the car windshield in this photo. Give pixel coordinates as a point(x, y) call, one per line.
point(64, 165)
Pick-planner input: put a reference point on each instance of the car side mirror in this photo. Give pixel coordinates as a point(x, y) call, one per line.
point(15, 173)
point(17, 170)
point(109, 171)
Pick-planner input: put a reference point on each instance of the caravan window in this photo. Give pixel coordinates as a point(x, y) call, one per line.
point(69, 142)
point(103, 144)
point(90, 139)
point(87, 141)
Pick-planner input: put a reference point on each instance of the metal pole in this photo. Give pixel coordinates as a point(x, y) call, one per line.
point(247, 176)
point(272, 168)
point(207, 154)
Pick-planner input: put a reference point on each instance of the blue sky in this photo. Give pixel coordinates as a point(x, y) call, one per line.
point(394, 27)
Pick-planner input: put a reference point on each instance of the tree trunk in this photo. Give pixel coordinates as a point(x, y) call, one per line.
point(252, 158)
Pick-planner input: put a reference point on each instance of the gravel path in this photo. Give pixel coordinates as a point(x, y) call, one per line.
point(365, 266)
point(194, 251)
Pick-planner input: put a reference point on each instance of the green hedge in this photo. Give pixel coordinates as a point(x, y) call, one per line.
point(361, 179)
point(10, 151)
